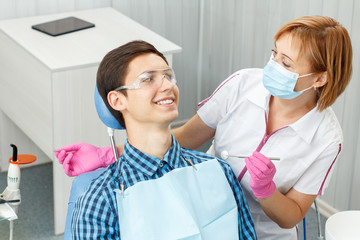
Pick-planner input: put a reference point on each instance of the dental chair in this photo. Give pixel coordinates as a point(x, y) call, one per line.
point(82, 182)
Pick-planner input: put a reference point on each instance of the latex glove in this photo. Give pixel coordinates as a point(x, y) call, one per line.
point(82, 157)
point(262, 172)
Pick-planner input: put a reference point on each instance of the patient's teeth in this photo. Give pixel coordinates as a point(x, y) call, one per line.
point(168, 101)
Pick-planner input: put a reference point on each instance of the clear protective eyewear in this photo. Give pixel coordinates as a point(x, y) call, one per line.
point(151, 79)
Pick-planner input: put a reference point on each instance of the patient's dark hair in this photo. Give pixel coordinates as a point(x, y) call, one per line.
point(114, 68)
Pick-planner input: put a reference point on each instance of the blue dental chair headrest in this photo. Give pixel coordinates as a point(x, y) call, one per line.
point(104, 114)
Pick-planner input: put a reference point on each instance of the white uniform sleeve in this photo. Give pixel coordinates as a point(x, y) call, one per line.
point(214, 108)
point(317, 177)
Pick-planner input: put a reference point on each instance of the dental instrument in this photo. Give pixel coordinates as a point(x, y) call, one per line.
point(225, 155)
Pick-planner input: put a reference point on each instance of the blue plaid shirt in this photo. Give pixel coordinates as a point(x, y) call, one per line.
point(95, 214)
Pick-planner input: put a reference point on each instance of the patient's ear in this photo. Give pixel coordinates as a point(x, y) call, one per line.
point(117, 100)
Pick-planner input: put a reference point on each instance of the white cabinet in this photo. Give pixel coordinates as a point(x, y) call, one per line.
point(47, 83)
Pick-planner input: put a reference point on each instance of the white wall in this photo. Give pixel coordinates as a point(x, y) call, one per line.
point(219, 37)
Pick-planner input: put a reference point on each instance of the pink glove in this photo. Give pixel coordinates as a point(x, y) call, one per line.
point(262, 172)
point(81, 157)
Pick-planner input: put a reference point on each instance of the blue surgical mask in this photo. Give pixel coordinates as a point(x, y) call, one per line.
point(280, 82)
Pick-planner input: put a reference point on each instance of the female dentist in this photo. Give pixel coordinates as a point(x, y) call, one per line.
point(282, 111)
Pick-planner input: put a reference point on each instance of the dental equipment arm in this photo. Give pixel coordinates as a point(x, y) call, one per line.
point(115, 155)
point(113, 144)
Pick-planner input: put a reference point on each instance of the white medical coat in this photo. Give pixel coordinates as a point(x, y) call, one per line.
point(307, 149)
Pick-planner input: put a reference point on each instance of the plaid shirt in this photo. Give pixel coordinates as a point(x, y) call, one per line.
point(95, 214)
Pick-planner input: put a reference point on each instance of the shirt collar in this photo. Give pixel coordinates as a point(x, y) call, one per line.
point(149, 164)
point(306, 126)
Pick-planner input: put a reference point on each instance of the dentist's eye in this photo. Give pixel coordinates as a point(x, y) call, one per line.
point(286, 65)
point(286, 62)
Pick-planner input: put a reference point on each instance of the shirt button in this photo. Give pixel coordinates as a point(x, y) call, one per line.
point(161, 164)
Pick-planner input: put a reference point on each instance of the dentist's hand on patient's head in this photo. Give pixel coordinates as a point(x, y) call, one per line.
point(262, 172)
point(82, 157)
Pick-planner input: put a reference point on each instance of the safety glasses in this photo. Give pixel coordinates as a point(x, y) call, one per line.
point(151, 79)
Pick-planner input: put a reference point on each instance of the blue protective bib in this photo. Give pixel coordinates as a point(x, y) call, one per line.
point(185, 204)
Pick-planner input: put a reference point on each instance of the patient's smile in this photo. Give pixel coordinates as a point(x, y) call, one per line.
point(167, 101)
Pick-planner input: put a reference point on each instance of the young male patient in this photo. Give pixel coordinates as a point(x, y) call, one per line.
point(170, 192)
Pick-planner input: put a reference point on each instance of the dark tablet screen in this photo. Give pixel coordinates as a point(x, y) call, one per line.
point(63, 26)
